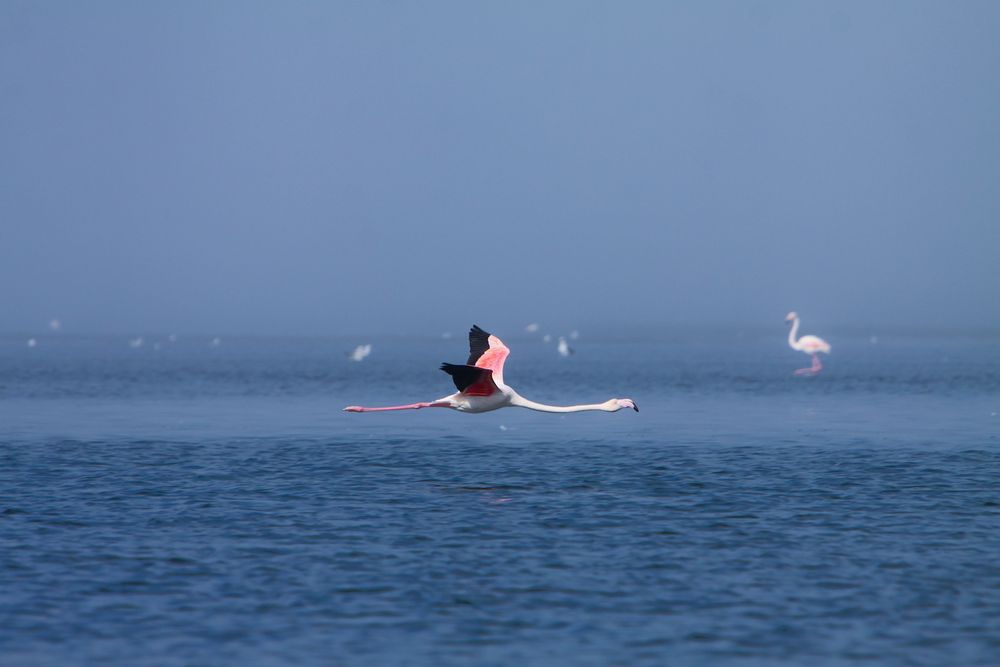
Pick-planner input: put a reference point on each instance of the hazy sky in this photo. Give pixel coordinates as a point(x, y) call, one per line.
point(342, 167)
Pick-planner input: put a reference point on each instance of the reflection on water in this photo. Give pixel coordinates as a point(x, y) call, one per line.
point(200, 504)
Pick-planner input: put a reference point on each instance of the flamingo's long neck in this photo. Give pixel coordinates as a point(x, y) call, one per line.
point(521, 402)
point(792, 333)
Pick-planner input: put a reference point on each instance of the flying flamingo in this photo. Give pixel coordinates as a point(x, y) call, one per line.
point(808, 344)
point(481, 387)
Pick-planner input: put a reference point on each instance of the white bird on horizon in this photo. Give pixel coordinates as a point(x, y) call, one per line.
point(55, 324)
point(564, 349)
point(360, 352)
point(532, 328)
point(809, 344)
point(136, 342)
point(32, 342)
point(481, 386)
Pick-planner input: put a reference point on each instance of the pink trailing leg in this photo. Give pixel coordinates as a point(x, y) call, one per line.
point(816, 367)
point(412, 406)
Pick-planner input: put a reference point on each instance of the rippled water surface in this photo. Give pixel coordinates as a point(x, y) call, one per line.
point(212, 505)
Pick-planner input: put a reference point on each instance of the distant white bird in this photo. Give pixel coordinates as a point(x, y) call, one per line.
point(216, 342)
point(809, 344)
point(32, 342)
point(546, 338)
point(574, 334)
point(532, 328)
point(564, 349)
point(136, 342)
point(360, 352)
point(55, 324)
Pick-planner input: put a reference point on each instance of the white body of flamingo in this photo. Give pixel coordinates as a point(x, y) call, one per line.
point(481, 387)
point(811, 345)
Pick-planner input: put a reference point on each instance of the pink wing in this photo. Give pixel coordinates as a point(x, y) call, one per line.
point(487, 351)
point(814, 344)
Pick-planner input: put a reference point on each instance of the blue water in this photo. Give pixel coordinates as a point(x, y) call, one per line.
point(212, 506)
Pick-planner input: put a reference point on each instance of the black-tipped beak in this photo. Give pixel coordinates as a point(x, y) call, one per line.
point(635, 407)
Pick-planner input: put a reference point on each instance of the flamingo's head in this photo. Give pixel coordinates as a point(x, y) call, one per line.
point(791, 316)
point(616, 404)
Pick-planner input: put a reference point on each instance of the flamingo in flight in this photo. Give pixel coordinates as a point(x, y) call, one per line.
point(481, 387)
point(808, 344)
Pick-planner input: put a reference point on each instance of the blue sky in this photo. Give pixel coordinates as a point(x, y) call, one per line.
point(366, 167)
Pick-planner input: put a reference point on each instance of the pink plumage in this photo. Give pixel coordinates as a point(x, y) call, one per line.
point(481, 386)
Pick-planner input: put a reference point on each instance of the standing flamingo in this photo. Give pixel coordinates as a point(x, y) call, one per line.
point(808, 344)
point(481, 387)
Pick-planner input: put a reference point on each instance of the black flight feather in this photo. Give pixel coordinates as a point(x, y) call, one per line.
point(479, 342)
point(464, 376)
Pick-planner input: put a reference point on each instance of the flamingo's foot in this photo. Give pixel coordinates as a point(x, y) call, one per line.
point(816, 367)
